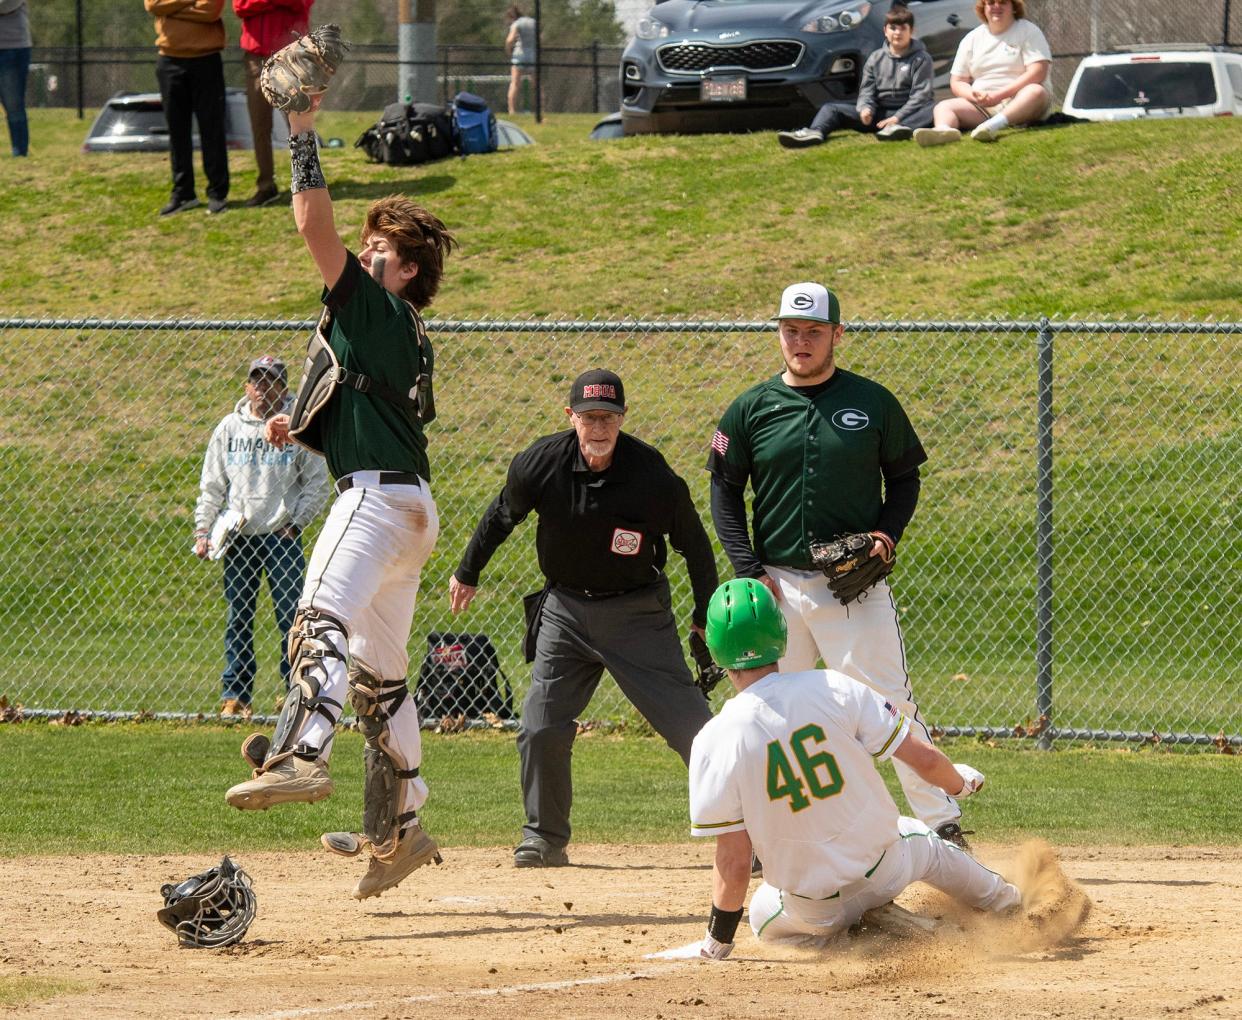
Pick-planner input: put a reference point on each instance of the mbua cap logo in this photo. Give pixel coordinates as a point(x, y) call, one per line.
point(850, 420)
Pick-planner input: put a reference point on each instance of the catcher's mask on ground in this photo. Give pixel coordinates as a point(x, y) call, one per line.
point(745, 626)
point(210, 910)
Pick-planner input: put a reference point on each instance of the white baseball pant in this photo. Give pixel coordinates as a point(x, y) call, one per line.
point(862, 640)
point(365, 571)
point(917, 855)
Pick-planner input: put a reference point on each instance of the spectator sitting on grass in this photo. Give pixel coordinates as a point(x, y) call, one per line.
point(895, 96)
point(999, 77)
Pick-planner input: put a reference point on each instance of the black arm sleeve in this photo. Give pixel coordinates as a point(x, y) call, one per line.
point(901, 495)
point(729, 517)
point(494, 527)
point(689, 538)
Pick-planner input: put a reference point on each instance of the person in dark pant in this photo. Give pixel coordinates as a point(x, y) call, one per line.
point(15, 46)
point(606, 501)
point(254, 502)
point(895, 96)
point(190, 36)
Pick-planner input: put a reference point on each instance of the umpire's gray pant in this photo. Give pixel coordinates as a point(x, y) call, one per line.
point(635, 637)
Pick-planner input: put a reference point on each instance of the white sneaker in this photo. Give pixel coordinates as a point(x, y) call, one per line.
point(937, 136)
point(983, 133)
point(801, 139)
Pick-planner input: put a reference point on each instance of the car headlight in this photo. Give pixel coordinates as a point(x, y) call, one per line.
point(839, 21)
point(649, 28)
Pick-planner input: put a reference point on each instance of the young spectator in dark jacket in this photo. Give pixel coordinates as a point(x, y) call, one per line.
point(895, 95)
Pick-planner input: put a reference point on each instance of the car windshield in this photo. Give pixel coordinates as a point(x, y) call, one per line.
point(1149, 85)
point(135, 118)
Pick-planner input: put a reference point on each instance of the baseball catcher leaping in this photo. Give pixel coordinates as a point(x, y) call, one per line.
point(364, 401)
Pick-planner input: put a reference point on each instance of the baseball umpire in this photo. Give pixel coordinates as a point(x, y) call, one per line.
point(788, 767)
point(605, 502)
point(827, 453)
point(364, 402)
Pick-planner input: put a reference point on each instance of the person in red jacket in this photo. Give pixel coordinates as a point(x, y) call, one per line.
point(267, 25)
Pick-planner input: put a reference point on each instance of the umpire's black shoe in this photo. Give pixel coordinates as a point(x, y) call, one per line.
point(537, 852)
point(951, 832)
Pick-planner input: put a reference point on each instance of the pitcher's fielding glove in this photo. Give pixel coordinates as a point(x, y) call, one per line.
point(292, 77)
point(709, 674)
point(849, 566)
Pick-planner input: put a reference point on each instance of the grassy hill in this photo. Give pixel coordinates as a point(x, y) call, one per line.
point(100, 457)
point(1120, 220)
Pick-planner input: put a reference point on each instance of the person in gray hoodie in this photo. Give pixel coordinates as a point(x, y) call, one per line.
point(263, 499)
point(894, 97)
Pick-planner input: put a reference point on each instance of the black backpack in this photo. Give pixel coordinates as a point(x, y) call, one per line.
point(460, 677)
point(407, 134)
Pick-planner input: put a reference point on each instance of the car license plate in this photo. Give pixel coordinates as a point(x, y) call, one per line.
point(723, 90)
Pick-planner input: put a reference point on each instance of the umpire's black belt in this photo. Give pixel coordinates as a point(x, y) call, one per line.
point(371, 479)
point(592, 593)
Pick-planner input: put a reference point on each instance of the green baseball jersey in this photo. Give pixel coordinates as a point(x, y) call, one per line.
point(376, 334)
point(815, 463)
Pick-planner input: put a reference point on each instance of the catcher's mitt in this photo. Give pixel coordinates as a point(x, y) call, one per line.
point(709, 674)
point(292, 77)
point(849, 566)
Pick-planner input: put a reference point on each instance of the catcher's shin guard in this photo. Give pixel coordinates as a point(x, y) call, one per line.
point(314, 637)
point(376, 701)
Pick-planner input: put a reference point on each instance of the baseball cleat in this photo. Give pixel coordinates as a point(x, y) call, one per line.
point(292, 780)
point(414, 849)
point(344, 844)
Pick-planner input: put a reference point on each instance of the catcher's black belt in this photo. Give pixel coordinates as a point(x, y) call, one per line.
point(592, 593)
point(381, 478)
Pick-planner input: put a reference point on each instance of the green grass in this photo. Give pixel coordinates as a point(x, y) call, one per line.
point(154, 788)
point(1087, 220)
point(23, 991)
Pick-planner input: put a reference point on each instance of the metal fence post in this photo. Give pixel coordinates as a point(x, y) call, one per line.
point(80, 58)
point(1043, 535)
point(595, 76)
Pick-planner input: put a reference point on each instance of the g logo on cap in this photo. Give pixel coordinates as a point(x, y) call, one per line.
point(802, 301)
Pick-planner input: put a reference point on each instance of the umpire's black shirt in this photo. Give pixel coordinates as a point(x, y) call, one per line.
point(599, 532)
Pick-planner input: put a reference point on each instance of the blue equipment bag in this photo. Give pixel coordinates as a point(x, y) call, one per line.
point(476, 124)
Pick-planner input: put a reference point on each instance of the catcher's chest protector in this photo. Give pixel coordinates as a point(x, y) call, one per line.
point(322, 374)
point(319, 383)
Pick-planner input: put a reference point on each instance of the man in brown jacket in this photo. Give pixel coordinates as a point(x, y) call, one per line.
point(190, 36)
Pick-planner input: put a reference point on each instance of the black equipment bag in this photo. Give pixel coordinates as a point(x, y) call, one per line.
point(460, 676)
point(407, 134)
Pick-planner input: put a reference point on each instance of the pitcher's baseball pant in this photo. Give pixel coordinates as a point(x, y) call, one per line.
point(633, 636)
point(862, 640)
point(364, 572)
point(918, 855)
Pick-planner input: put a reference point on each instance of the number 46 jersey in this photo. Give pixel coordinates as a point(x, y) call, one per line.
point(792, 760)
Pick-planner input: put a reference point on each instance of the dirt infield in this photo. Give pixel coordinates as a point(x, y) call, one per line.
point(475, 938)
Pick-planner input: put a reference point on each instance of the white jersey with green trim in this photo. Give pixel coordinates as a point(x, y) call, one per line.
point(791, 760)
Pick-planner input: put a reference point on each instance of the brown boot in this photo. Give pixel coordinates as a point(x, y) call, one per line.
point(289, 780)
point(413, 849)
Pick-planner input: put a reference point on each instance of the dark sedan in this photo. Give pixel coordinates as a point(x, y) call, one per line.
point(764, 65)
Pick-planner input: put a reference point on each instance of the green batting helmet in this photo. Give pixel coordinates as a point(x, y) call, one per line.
point(745, 627)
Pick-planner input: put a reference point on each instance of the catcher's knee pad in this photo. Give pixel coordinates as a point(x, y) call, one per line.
point(376, 701)
point(314, 637)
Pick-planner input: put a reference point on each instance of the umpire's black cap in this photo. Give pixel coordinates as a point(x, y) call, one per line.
point(597, 390)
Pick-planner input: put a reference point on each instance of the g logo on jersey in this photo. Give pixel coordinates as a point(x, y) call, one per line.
point(626, 543)
point(850, 420)
point(802, 301)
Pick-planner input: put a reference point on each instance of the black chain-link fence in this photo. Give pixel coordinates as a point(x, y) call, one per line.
point(1072, 567)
